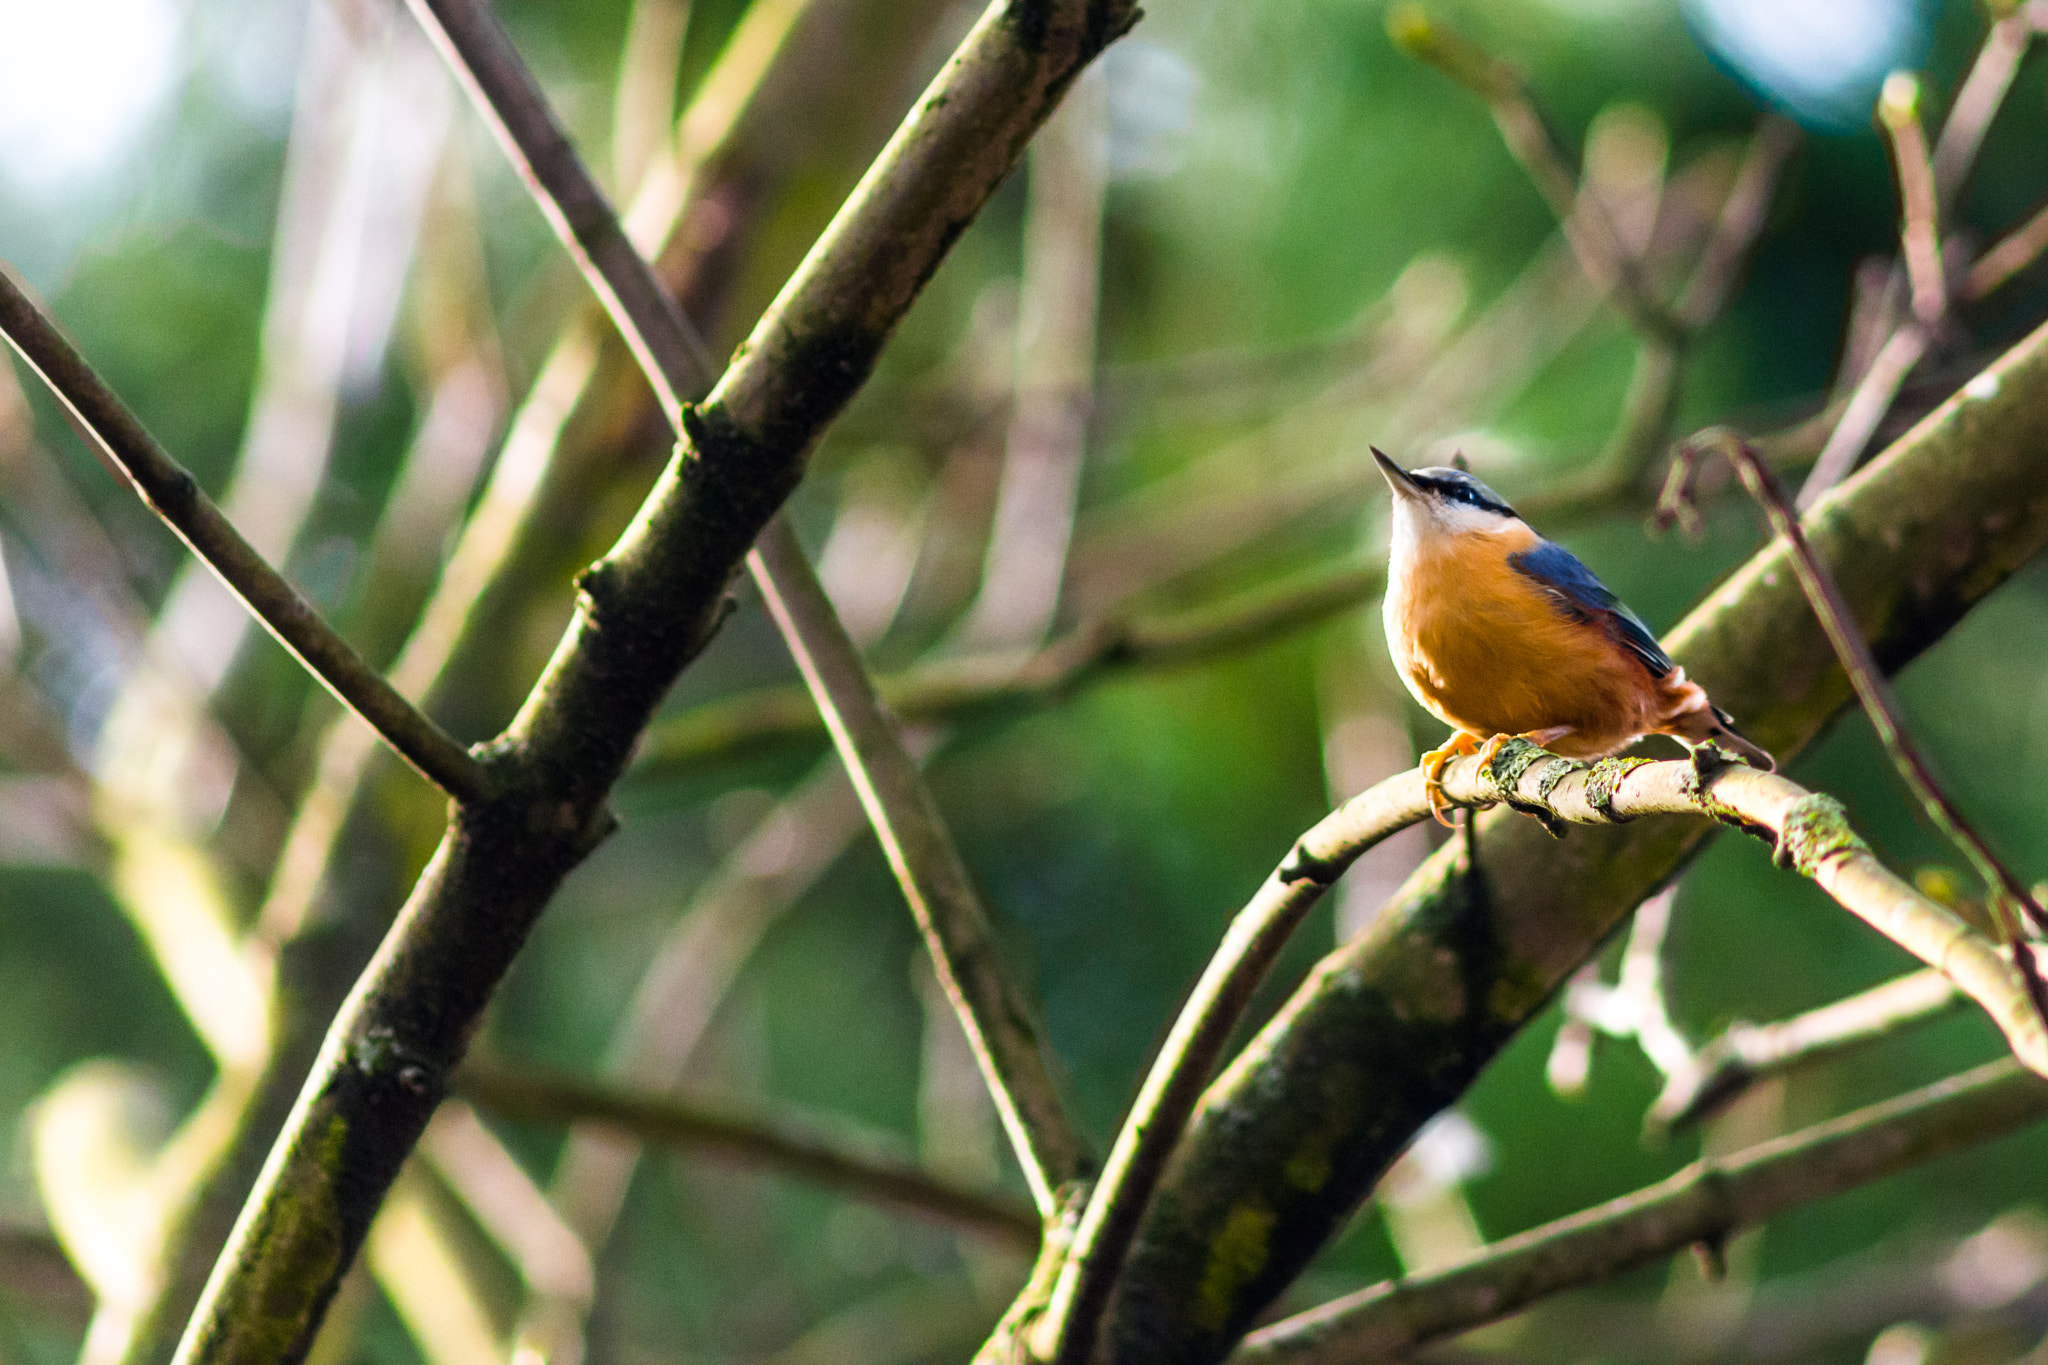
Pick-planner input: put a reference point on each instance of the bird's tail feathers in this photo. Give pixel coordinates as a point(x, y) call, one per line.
point(1702, 722)
point(1727, 736)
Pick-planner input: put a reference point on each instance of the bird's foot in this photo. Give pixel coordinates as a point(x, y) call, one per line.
point(1433, 763)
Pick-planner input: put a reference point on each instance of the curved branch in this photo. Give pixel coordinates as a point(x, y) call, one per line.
point(1808, 830)
point(1704, 1203)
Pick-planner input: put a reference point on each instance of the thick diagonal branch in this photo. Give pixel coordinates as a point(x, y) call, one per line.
point(648, 608)
point(920, 849)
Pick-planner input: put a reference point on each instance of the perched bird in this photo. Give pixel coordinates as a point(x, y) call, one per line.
point(1500, 633)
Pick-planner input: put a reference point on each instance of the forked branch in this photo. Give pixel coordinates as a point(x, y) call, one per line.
point(920, 848)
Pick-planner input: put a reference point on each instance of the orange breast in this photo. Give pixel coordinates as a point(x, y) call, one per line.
point(1486, 650)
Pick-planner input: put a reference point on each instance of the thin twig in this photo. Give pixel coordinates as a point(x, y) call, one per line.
point(172, 492)
point(1744, 1053)
point(670, 351)
point(2012, 903)
point(977, 684)
point(1588, 224)
point(1868, 403)
point(2012, 254)
point(1977, 101)
point(995, 1015)
point(1898, 112)
point(913, 834)
point(1703, 1203)
point(782, 1146)
point(1744, 214)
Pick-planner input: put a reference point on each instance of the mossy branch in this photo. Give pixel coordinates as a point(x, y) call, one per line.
point(920, 848)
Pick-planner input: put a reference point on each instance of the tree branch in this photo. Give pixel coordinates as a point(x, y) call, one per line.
point(1808, 830)
point(994, 1013)
point(648, 607)
point(776, 1145)
point(1395, 1024)
point(977, 684)
point(913, 834)
point(2012, 904)
point(1742, 1054)
point(173, 494)
point(1704, 1203)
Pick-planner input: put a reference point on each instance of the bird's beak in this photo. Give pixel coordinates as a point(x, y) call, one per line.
point(1397, 477)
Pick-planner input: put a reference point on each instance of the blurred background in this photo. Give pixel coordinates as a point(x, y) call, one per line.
point(1132, 408)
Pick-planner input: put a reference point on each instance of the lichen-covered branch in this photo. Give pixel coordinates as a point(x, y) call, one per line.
point(1809, 833)
point(1396, 1023)
point(170, 490)
point(2012, 904)
point(647, 609)
point(1704, 1203)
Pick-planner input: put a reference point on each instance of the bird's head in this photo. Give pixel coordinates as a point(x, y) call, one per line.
point(1443, 502)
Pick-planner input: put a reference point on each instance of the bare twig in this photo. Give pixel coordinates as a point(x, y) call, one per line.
point(956, 688)
point(2012, 903)
point(1743, 216)
point(2012, 254)
point(994, 1013)
point(1868, 403)
point(671, 353)
point(1898, 112)
point(778, 1145)
point(175, 496)
point(1977, 101)
point(1705, 1202)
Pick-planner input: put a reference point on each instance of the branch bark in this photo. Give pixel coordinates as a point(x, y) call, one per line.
point(647, 608)
point(1395, 1024)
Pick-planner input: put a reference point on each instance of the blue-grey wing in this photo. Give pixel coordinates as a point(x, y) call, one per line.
point(1584, 597)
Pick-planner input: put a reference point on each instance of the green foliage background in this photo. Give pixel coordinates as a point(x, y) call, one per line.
point(1115, 834)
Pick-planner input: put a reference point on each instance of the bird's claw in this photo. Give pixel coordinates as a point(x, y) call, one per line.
point(1433, 764)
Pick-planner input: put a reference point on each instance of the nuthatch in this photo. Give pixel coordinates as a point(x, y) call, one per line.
point(1500, 633)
